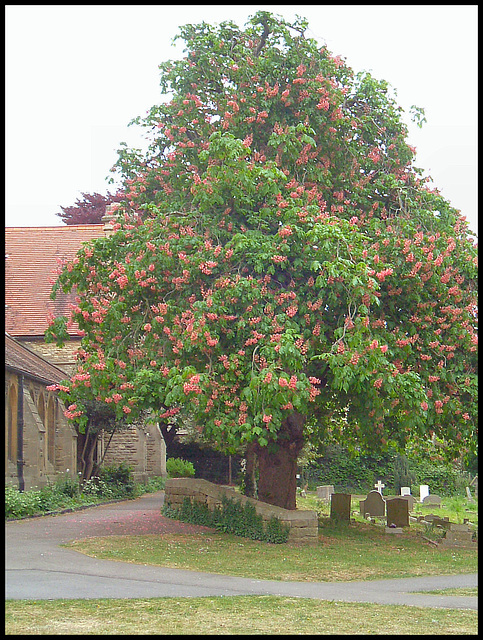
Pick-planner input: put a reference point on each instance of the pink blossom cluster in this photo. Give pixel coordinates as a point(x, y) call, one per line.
point(192, 386)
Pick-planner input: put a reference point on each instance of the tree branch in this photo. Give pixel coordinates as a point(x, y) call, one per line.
point(264, 37)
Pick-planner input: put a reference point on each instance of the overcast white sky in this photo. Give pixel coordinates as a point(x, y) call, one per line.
point(77, 74)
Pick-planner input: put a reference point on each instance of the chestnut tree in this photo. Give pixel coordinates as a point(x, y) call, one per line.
point(280, 269)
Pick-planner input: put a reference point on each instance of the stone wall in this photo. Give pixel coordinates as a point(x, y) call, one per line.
point(43, 418)
point(141, 446)
point(303, 525)
point(62, 357)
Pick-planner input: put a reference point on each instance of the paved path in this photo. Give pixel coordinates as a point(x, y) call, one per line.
point(37, 568)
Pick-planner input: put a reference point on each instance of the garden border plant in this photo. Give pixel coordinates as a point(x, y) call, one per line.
point(114, 483)
point(231, 517)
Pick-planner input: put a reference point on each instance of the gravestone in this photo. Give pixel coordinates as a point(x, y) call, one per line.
point(394, 530)
point(409, 499)
point(373, 505)
point(468, 495)
point(458, 535)
point(423, 491)
point(397, 512)
point(432, 501)
point(340, 506)
point(437, 521)
point(405, 491)
point(325, 491)
point(474, 484)
point(379, 486)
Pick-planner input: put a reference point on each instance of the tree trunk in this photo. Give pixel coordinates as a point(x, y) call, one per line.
point(169, 432)
point(86, 457)
point(277, 464)
point(250, 471)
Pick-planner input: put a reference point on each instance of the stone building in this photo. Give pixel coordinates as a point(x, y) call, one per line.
point(33, 256)
point(39, 443)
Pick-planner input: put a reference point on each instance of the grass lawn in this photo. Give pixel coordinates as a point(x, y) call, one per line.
point(267, 615)
point(345, 552)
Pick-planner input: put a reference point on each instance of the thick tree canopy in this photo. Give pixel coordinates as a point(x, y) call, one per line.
point(278, 260)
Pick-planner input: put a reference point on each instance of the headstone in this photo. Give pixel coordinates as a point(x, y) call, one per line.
point(423, 491)
point(397, 512)
point(432, 501)
point(405, 491)
point(373, 505)
point(474, 484)
point(379, 486)
point(409, 499)
point(458, 535)
point(437, 520)
point(393, 530)
point(325, 491)
point(468, 495)
point(340, 506)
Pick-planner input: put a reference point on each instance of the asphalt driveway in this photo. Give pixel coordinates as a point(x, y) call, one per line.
point(37, 568)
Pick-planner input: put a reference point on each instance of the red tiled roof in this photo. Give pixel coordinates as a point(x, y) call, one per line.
point(21, 359)
point(30, 263)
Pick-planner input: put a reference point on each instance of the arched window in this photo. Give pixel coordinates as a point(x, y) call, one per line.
point(44, 436)
point(50, 427)
point(41, 408)
point(12, 424)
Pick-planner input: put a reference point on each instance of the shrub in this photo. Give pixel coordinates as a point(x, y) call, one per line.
point(68, 486)
point(153, 484)
point(442, 479)
point(118, 479)
point(179, 468)
point(359, 473)
point(21, 503)
point(113, 482)
point(231, 517)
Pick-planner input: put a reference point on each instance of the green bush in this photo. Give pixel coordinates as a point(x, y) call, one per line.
point(21, 503)
point(442, 479)
point(354, 474)
point(119, 478)
point(358, 474)
point(179, 468)
point(153, 484)
point(231, 517)
point(68, 486)
point(113, 483)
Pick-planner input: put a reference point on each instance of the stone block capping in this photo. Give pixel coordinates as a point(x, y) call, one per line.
point(303, 525)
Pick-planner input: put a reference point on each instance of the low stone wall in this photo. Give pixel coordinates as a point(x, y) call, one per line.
point(303, 525)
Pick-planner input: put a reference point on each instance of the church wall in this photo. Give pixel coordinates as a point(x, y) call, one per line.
point(62, 357)
point(141, 446)
point(39, 424)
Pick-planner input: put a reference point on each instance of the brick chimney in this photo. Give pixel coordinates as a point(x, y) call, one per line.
point(107, 218)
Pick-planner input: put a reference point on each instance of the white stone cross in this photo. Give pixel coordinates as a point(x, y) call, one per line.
point(379, 486)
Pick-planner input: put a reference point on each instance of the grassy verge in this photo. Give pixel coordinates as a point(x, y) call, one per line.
point(359, 551)
point(460, 591)
point(345, 552)
point(270, 615)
